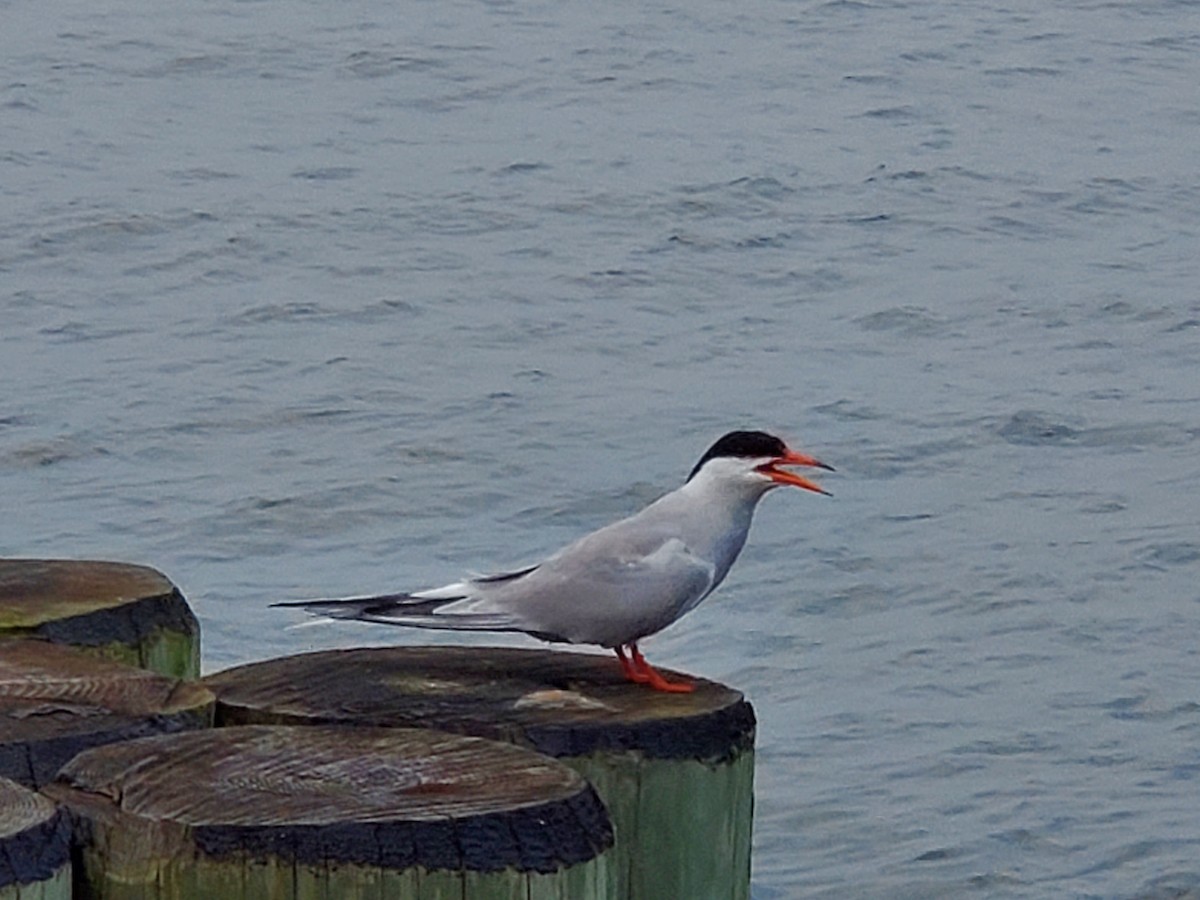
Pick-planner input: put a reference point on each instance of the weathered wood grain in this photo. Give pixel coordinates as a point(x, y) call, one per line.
point(35, 846)
point(676, 771)
point(276, 811)
point(56, 701)
point(131, 614)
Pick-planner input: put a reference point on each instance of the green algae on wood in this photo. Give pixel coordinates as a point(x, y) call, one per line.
point(296, 813)
point(128, 613)
point(56, 701)
point(35, 846)
point(676, 771)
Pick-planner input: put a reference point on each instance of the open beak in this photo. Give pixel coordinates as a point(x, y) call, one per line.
point(791, 458)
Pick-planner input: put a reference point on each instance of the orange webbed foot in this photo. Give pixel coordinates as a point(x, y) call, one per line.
point(639, 671)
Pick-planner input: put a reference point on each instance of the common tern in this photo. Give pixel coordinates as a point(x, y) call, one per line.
point(615, 586)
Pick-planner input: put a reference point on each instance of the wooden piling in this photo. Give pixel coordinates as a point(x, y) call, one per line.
point(131, 614)
point(35, 846)
point(289, 813)
point(56, 701)
point(675, 770)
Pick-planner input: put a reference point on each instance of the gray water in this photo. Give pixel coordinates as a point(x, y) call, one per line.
point(310, 298)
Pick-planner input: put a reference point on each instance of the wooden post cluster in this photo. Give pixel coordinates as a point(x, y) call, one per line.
point(676, 771)
point(420, 773)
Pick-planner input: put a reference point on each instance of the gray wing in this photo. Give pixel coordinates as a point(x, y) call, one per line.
point(613, 587)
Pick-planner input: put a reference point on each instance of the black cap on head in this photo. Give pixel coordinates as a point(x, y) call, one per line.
point(744, 444)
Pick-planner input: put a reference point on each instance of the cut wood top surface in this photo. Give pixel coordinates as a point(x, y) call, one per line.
point(262, 775)
point(36, 594)
point(49, 691)
point(390, 797)
point(557, 702)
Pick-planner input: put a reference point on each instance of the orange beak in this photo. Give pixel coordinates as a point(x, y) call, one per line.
point(791, 458)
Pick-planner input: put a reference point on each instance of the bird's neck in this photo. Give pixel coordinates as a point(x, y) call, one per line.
point(716, 517)
point(734, 498)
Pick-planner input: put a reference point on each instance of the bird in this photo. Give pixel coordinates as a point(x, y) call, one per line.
point(622, 583)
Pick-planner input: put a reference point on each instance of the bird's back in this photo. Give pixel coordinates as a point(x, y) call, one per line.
point(627, 580)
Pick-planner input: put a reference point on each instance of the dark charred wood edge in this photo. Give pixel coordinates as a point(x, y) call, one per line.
point(714, 725)
point(37, 852)
point(35, 763)
point(543, 838)
point(128, 623)
point(717, 737)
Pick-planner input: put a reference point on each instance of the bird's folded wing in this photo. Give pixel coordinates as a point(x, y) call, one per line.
point(606, 598)
point(671, 570)
point(593, 592)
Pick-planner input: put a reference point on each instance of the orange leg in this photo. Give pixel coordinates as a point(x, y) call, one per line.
point(636, 669)
point(631, 670)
